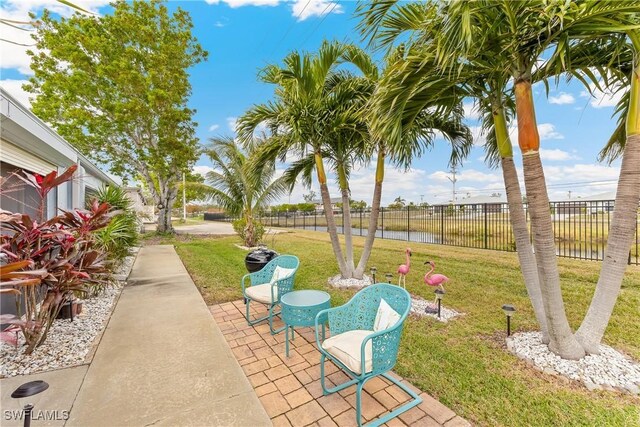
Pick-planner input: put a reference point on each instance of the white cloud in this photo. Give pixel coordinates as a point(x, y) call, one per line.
point(232, 122)
point(15, 56)
point(470, 112)
point(601, 99)
point(202, 170)
point(548, 131)
point(14, 87)
point(562, 98)
point(300, 9)
point(239, 3)
point(212, 128)
point(555, 155)
point(303, 9)
point(469, 175)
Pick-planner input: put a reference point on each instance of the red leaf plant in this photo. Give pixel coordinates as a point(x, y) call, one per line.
point(49, 261)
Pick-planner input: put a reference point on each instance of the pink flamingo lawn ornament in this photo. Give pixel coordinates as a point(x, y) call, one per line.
point(435, 279)
point(403, 270)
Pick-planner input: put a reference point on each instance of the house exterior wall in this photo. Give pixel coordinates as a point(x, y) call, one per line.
point(27, 143)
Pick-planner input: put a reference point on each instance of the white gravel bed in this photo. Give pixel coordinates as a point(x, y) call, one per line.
point(419, 307)
point(339, 282)
point(609, 370)
point(68, 342)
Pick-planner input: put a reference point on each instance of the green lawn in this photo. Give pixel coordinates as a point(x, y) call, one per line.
point(464, 363)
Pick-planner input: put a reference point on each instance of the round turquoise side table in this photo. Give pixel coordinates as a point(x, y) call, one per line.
point(299, 308)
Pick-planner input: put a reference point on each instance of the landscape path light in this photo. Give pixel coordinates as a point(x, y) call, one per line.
point(439, 295)
point(26, 391)
point(389, 276)
point(373, 272)
point(509, 310)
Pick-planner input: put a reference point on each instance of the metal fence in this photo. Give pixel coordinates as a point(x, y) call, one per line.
point(581, 227)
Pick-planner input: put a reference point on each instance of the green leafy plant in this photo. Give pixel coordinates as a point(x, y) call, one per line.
point(240, 227)
point(121, 234)
point(50, 260)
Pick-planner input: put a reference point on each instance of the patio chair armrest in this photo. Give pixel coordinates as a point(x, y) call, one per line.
point(340, 318)
point(386, 342)
point(321, 318)
point(243, 281)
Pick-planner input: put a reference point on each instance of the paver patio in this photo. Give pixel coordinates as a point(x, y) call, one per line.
point(289, 387)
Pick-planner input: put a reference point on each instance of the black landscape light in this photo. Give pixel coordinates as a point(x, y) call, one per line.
point(389, 276)
point(26, 390)
point(373, 272)
point(439, 294)
point(509, 310)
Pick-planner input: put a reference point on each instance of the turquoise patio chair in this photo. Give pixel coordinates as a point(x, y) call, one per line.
point(363, 353)
point(267, 289)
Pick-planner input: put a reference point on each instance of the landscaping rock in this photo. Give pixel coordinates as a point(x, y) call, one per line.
point(422, 308)
point(609, 370)
point(339, 282)
point(68, 342)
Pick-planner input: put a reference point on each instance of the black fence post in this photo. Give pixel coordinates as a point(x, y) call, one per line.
point(382, 215)
point(408, 225)
point(485, 226)
point(361, 221)
point(441, 224)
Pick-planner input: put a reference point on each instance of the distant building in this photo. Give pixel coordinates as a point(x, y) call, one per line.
point(603, 202)
point(27, 143)
point(492, 204)
point(334, 202)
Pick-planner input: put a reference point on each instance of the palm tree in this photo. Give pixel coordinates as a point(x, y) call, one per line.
point(306, 112)
point(515, 37)
point(340, 133)
point(525, 37)
point(240, 187)
point(623, 223)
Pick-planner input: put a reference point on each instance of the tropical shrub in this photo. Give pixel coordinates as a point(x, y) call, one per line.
point(49, 260)
point(121, 234)
point(240, 227)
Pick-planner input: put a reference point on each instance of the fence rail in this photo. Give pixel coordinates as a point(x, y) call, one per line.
point(581, 228)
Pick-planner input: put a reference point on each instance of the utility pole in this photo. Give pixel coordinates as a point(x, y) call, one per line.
point(421, 198)
point(453, 181)
point(184, 196)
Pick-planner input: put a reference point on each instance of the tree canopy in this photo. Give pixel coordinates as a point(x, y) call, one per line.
point(116, 87)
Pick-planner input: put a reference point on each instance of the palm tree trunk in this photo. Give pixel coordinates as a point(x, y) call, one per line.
point(328, 214)
point(621, 232)
point(249, 230)
point(518, 218)
point(346, 222)
point(524, 249)
point(373, 217)
point(561, 338)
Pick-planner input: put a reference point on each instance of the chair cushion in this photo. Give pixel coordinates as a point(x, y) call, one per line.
point(262, 293)
point(386, 317)
point(281, 273)
point(346, 348)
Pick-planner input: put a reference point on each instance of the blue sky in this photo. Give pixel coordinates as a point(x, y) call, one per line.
point(242, 36)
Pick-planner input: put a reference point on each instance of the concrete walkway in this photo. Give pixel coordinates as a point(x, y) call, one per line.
point(163, 360)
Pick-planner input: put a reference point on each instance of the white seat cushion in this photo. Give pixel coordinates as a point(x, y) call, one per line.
point(386, 317)
point(262, 293)
point(346, 348)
